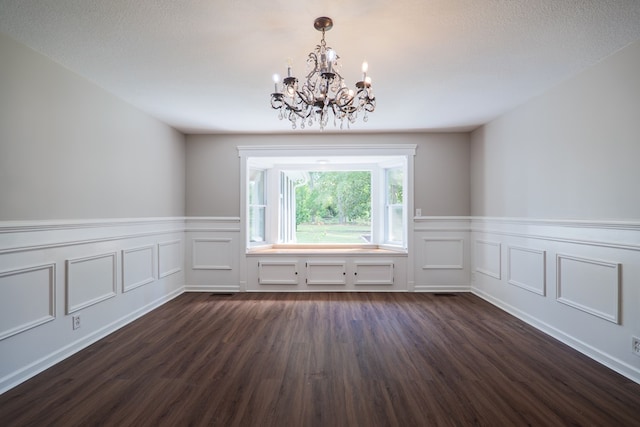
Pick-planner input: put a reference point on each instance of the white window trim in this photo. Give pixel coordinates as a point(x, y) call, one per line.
point(318, 151)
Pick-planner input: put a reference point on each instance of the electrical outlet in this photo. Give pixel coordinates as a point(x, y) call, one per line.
point(418, 212)
point(76, 322)
point(635, 342)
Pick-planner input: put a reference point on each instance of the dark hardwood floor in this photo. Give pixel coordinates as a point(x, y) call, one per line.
point(325, 359)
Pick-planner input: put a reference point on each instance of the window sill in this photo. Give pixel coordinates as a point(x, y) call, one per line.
point(325, 250)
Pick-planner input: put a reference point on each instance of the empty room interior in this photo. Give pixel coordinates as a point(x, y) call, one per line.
point(209, 216)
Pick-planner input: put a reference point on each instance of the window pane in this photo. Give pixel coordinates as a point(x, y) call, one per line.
point(394, 186)
point(395, 223)
point(256, 223)
point(394, 180)
point(257, 205)
point(256, 187)
point(334, 207)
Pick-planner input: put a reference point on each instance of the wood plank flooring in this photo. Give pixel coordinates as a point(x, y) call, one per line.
point(325, 359)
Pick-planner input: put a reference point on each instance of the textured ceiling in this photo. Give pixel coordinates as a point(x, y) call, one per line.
point(206, 66)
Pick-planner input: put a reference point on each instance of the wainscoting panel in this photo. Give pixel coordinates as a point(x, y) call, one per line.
point(90, 280)
point(581, 278)
point(526, 268)
point(102, 271)
point(489, 258)
point(28, 298)
point(443, 253)
point(212, 254)
point(589, 285)
point(138, 267)
point(170, 258)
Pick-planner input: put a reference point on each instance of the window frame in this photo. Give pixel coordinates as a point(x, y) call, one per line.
point(266, 156)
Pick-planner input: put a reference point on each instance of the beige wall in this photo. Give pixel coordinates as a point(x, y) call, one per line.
point(573, 152)
point(69, 149)
point(441, 168)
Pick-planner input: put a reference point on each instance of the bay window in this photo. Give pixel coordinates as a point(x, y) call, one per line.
point(307, 196)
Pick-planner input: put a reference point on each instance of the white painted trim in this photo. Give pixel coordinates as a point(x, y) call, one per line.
point(498, 274)
point(446, 266)
point(322, 263)
point(66, 224)
point(525, 286)
point(195, 266)
point(13, 379)
point(611, 317)
point(213, 288)
point(382, 281)
point(127, 288)
point(580, 223)
point(613, 245)
point(441, 288)
point(52, 298)
point(162, 274)
point(606, 359)
point(287, 263)
point(85, 241)
point(100, 298)
point(324, 150)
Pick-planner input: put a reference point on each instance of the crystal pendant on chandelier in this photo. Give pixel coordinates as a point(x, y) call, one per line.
point(324, 92)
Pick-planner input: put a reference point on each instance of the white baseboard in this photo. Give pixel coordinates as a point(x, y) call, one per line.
point(607, 360)
point(59, 355)
point(212, 288)
point(441, 288)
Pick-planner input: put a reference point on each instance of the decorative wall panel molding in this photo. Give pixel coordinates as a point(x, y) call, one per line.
point(90, 280)
point(212, 253)
point(620, 234)
point(445, 253)
point(591, 276)
point(379, 273)
point(53, 267)
point(138, 267)
point(442, 223)
point(489, 258)
point(21, 236)
point(526, 268)
point(326, 272)
point(589, 285)
point(281, 272)
point(27, 298)
point(170, 258)
point(212, 224)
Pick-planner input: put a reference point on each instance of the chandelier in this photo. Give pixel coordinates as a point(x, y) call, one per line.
point(323, 93)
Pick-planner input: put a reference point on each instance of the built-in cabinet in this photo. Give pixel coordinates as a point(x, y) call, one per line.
point(332, 272)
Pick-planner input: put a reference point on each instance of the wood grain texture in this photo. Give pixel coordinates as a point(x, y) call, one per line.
point(325, 359)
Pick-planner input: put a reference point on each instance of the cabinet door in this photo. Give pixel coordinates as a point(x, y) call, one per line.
point(326, 272)
point(278, 272)
point(373, 273)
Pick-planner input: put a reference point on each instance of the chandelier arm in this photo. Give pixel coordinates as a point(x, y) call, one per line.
point(304, 97)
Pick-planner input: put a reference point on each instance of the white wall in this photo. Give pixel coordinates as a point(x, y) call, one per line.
point(441, 168)
point(72, 150)
point(71, 153)
point(570, 153)
point(556, 214)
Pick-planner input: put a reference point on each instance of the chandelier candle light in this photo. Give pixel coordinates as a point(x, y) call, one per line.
point(323, 93)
